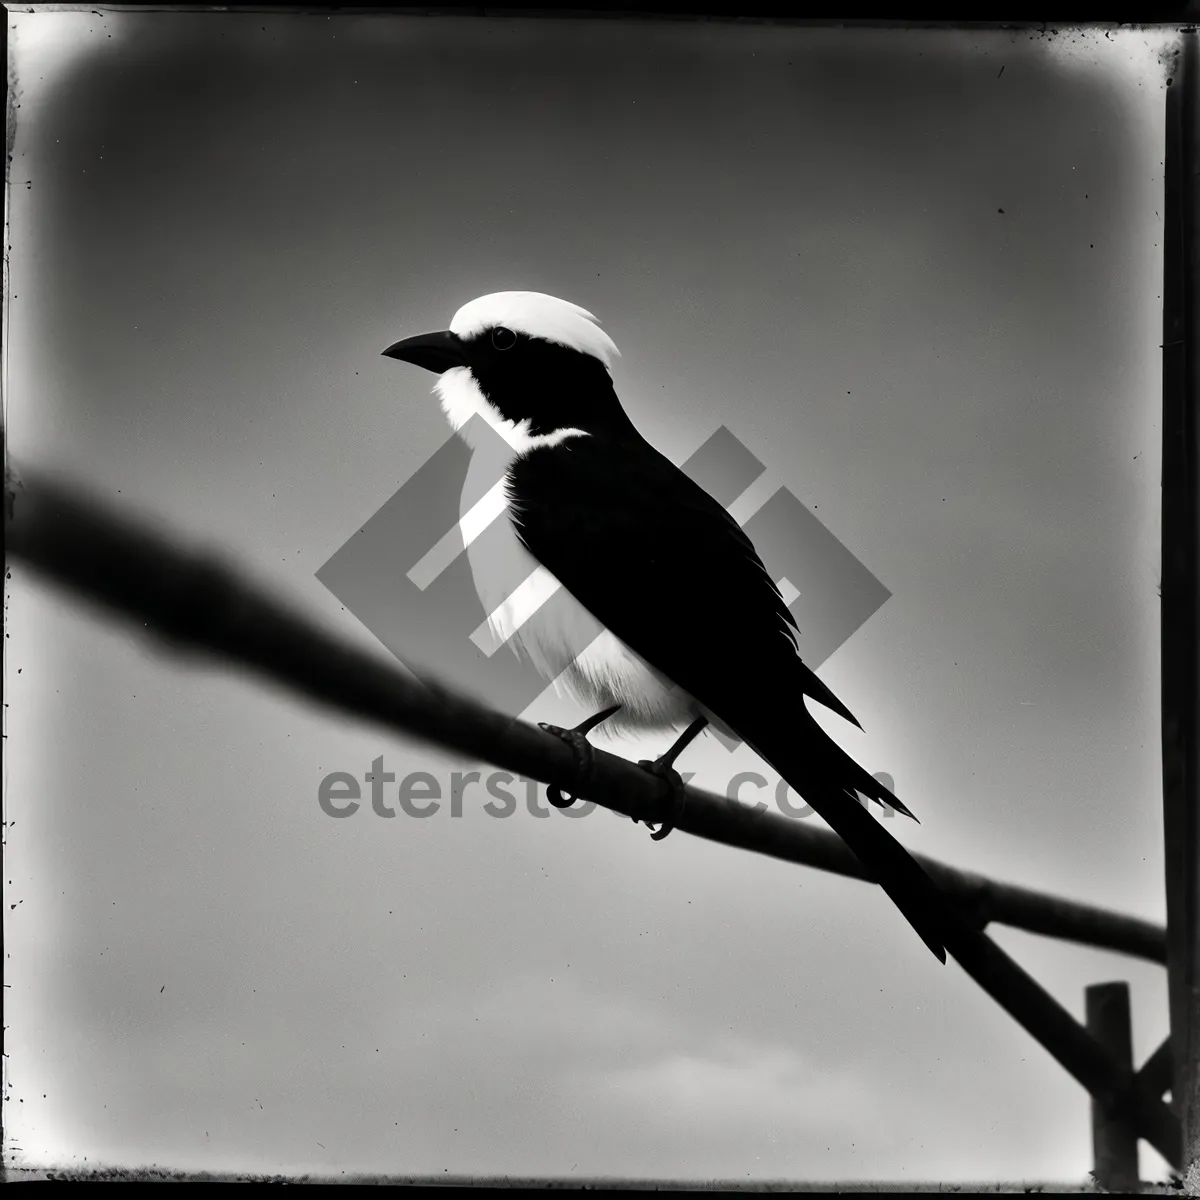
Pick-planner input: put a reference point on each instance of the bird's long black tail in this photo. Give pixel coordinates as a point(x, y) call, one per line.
point(825, 776)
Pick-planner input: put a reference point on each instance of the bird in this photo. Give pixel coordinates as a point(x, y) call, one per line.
point(660, 602)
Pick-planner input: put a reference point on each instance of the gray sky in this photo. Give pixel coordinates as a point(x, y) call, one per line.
point(216, 224)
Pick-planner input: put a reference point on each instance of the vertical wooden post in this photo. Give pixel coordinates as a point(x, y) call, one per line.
point(1114, 1142)
point(1181, 586)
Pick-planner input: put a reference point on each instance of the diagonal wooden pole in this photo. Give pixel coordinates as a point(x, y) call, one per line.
point(1157, 1072)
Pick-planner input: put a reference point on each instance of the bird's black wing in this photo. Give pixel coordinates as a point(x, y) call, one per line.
point(661, 564)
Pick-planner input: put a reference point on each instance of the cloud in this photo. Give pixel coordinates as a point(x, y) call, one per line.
point(736, 1085)
point(606, 1077)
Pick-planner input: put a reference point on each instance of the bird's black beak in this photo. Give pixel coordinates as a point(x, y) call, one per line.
point(436, 352)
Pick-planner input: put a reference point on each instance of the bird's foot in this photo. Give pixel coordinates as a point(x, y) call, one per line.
point(585, 763)
point(662, 769)
point(585, 759)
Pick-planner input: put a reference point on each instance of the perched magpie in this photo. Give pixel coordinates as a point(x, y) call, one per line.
point(590, 507)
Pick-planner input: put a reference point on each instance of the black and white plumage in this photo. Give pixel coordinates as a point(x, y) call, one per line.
point(693, 625)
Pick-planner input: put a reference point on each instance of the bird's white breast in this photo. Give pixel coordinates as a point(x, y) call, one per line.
point(565, 643)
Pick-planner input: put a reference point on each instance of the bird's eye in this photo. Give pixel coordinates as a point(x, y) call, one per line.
point(503, 339)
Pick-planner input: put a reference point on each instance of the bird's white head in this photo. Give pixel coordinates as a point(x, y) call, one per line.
point(535, 367)
point(537, 316)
